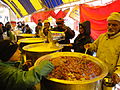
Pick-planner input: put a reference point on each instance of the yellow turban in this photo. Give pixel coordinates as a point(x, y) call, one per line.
point(114, 16)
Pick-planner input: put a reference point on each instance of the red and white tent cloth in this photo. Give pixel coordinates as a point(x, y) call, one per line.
point(97, 15)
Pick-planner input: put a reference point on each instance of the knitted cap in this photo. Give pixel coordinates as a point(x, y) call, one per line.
point(7, 49)
point(114, 16)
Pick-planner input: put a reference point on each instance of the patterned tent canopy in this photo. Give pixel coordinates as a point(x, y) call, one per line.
point(25, 7)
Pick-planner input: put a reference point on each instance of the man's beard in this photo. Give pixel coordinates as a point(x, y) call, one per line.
point(110, 33)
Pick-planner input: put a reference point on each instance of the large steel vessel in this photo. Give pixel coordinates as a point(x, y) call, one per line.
point(57, 84)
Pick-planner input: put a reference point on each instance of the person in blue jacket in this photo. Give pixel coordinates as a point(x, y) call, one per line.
point(14, 78)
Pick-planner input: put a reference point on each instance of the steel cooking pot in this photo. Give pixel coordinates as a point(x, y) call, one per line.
point(57, 84)
point(34, 51)
point(32, 40)
point(25, 41)
point(20, 36)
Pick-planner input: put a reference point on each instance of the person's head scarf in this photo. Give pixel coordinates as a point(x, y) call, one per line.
point(86, 26)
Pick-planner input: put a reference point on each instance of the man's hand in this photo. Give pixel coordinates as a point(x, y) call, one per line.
point(87, 46)
point(115, 78)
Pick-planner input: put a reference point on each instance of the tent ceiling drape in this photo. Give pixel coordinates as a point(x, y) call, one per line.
point(26, 7)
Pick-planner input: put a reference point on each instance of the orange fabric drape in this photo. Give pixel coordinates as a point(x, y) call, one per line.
point(97, 16)
point(43, 15)
point(60, 14)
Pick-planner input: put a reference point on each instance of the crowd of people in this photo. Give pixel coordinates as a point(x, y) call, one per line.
point(106, 46)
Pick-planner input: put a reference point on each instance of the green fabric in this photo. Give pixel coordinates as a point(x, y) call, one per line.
point(12, 78)
point(108, 49)
point(12, 37)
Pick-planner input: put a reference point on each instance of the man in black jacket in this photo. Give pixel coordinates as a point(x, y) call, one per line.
point(69, 34)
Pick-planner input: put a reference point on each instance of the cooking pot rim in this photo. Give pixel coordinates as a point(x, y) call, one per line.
point(92, 58)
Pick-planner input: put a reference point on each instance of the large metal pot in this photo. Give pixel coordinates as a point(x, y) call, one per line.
point(20, 36)
point(25, 41)
point(57, 84)
point(32, 40)
point(34, 51)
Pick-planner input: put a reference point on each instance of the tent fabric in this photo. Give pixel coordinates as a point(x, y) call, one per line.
point(97, 16)
point(26, 7)
point(23, 7)
point(43, 15)
point(52, 3)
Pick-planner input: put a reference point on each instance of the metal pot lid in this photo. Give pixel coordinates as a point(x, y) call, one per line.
point(26, 35)
point(102, 65)
point(42, 47)
point(32, 40)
